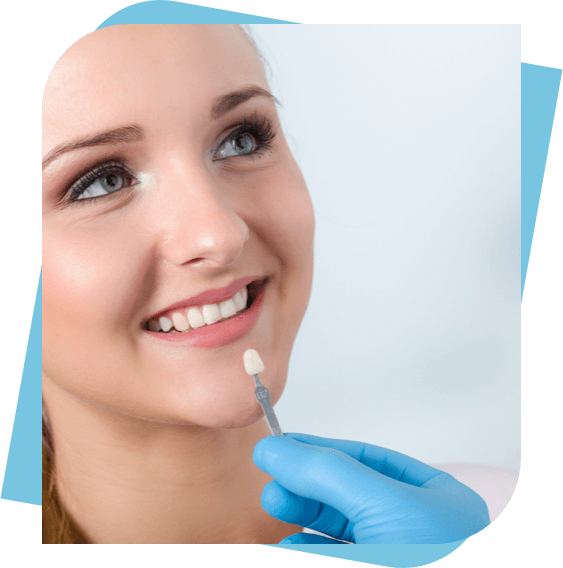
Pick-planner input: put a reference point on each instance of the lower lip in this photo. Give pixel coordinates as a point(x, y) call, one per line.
point(217, 334)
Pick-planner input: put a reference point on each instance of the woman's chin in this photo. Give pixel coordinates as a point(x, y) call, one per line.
point(222, 414)
point(237, 420)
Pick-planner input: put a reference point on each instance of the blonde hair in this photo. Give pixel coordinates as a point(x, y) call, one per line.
point(58, 526)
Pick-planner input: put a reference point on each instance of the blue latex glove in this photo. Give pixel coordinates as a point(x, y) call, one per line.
point(363, 494)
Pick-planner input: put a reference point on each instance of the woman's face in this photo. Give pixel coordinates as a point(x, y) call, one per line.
point(169, 186)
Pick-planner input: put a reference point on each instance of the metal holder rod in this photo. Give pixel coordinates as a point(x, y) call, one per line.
point(263, 397)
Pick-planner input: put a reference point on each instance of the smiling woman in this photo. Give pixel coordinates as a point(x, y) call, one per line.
point(177, 233)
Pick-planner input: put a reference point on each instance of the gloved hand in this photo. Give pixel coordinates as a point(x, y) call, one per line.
point(363, 494)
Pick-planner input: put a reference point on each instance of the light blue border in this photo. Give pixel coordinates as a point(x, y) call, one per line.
point(22, 480)
point(540, 87)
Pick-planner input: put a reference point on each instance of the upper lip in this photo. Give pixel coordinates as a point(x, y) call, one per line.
point(208, 297)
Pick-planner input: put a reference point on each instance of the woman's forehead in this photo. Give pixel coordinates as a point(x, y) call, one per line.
point(208, 49)
point(131, 69)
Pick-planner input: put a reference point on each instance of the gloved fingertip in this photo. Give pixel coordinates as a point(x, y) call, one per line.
point(268, 449)
point(258, 453)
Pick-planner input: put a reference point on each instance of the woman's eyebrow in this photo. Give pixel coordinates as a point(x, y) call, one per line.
point(228, 102)
point(134, 133)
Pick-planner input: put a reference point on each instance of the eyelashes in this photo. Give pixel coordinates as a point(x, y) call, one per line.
point(252, 138)
point(109, 172)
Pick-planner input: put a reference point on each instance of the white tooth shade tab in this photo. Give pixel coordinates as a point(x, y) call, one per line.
point(195, 317)
point(252, 362)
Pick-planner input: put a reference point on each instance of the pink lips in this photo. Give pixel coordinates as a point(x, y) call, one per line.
point(208, 297)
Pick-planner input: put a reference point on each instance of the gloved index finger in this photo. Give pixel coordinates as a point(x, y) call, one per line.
point(387, 462)
point(323, 474)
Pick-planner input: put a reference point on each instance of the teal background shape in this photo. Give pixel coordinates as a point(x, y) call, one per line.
point(540, 87)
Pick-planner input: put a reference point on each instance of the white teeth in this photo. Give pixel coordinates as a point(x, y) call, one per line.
point(239, 301)
point(228, 309)
point(211, 313)
point(180, 322)
point(197, 317)
point(165, 324)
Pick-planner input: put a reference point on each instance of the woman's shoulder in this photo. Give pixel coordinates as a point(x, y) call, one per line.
point(494, 484)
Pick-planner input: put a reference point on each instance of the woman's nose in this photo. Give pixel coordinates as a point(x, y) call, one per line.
point(201, 223)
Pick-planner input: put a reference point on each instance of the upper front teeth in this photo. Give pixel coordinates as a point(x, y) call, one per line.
point(193, 317)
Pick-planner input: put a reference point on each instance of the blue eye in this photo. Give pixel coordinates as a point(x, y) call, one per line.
point(261, 131)
point(111, 177)
point(238, 137)
point(108, 177)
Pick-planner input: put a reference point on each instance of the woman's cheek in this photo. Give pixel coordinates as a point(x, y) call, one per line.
point(83, 280)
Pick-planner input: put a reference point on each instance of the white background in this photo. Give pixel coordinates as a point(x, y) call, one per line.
point(409, 140)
